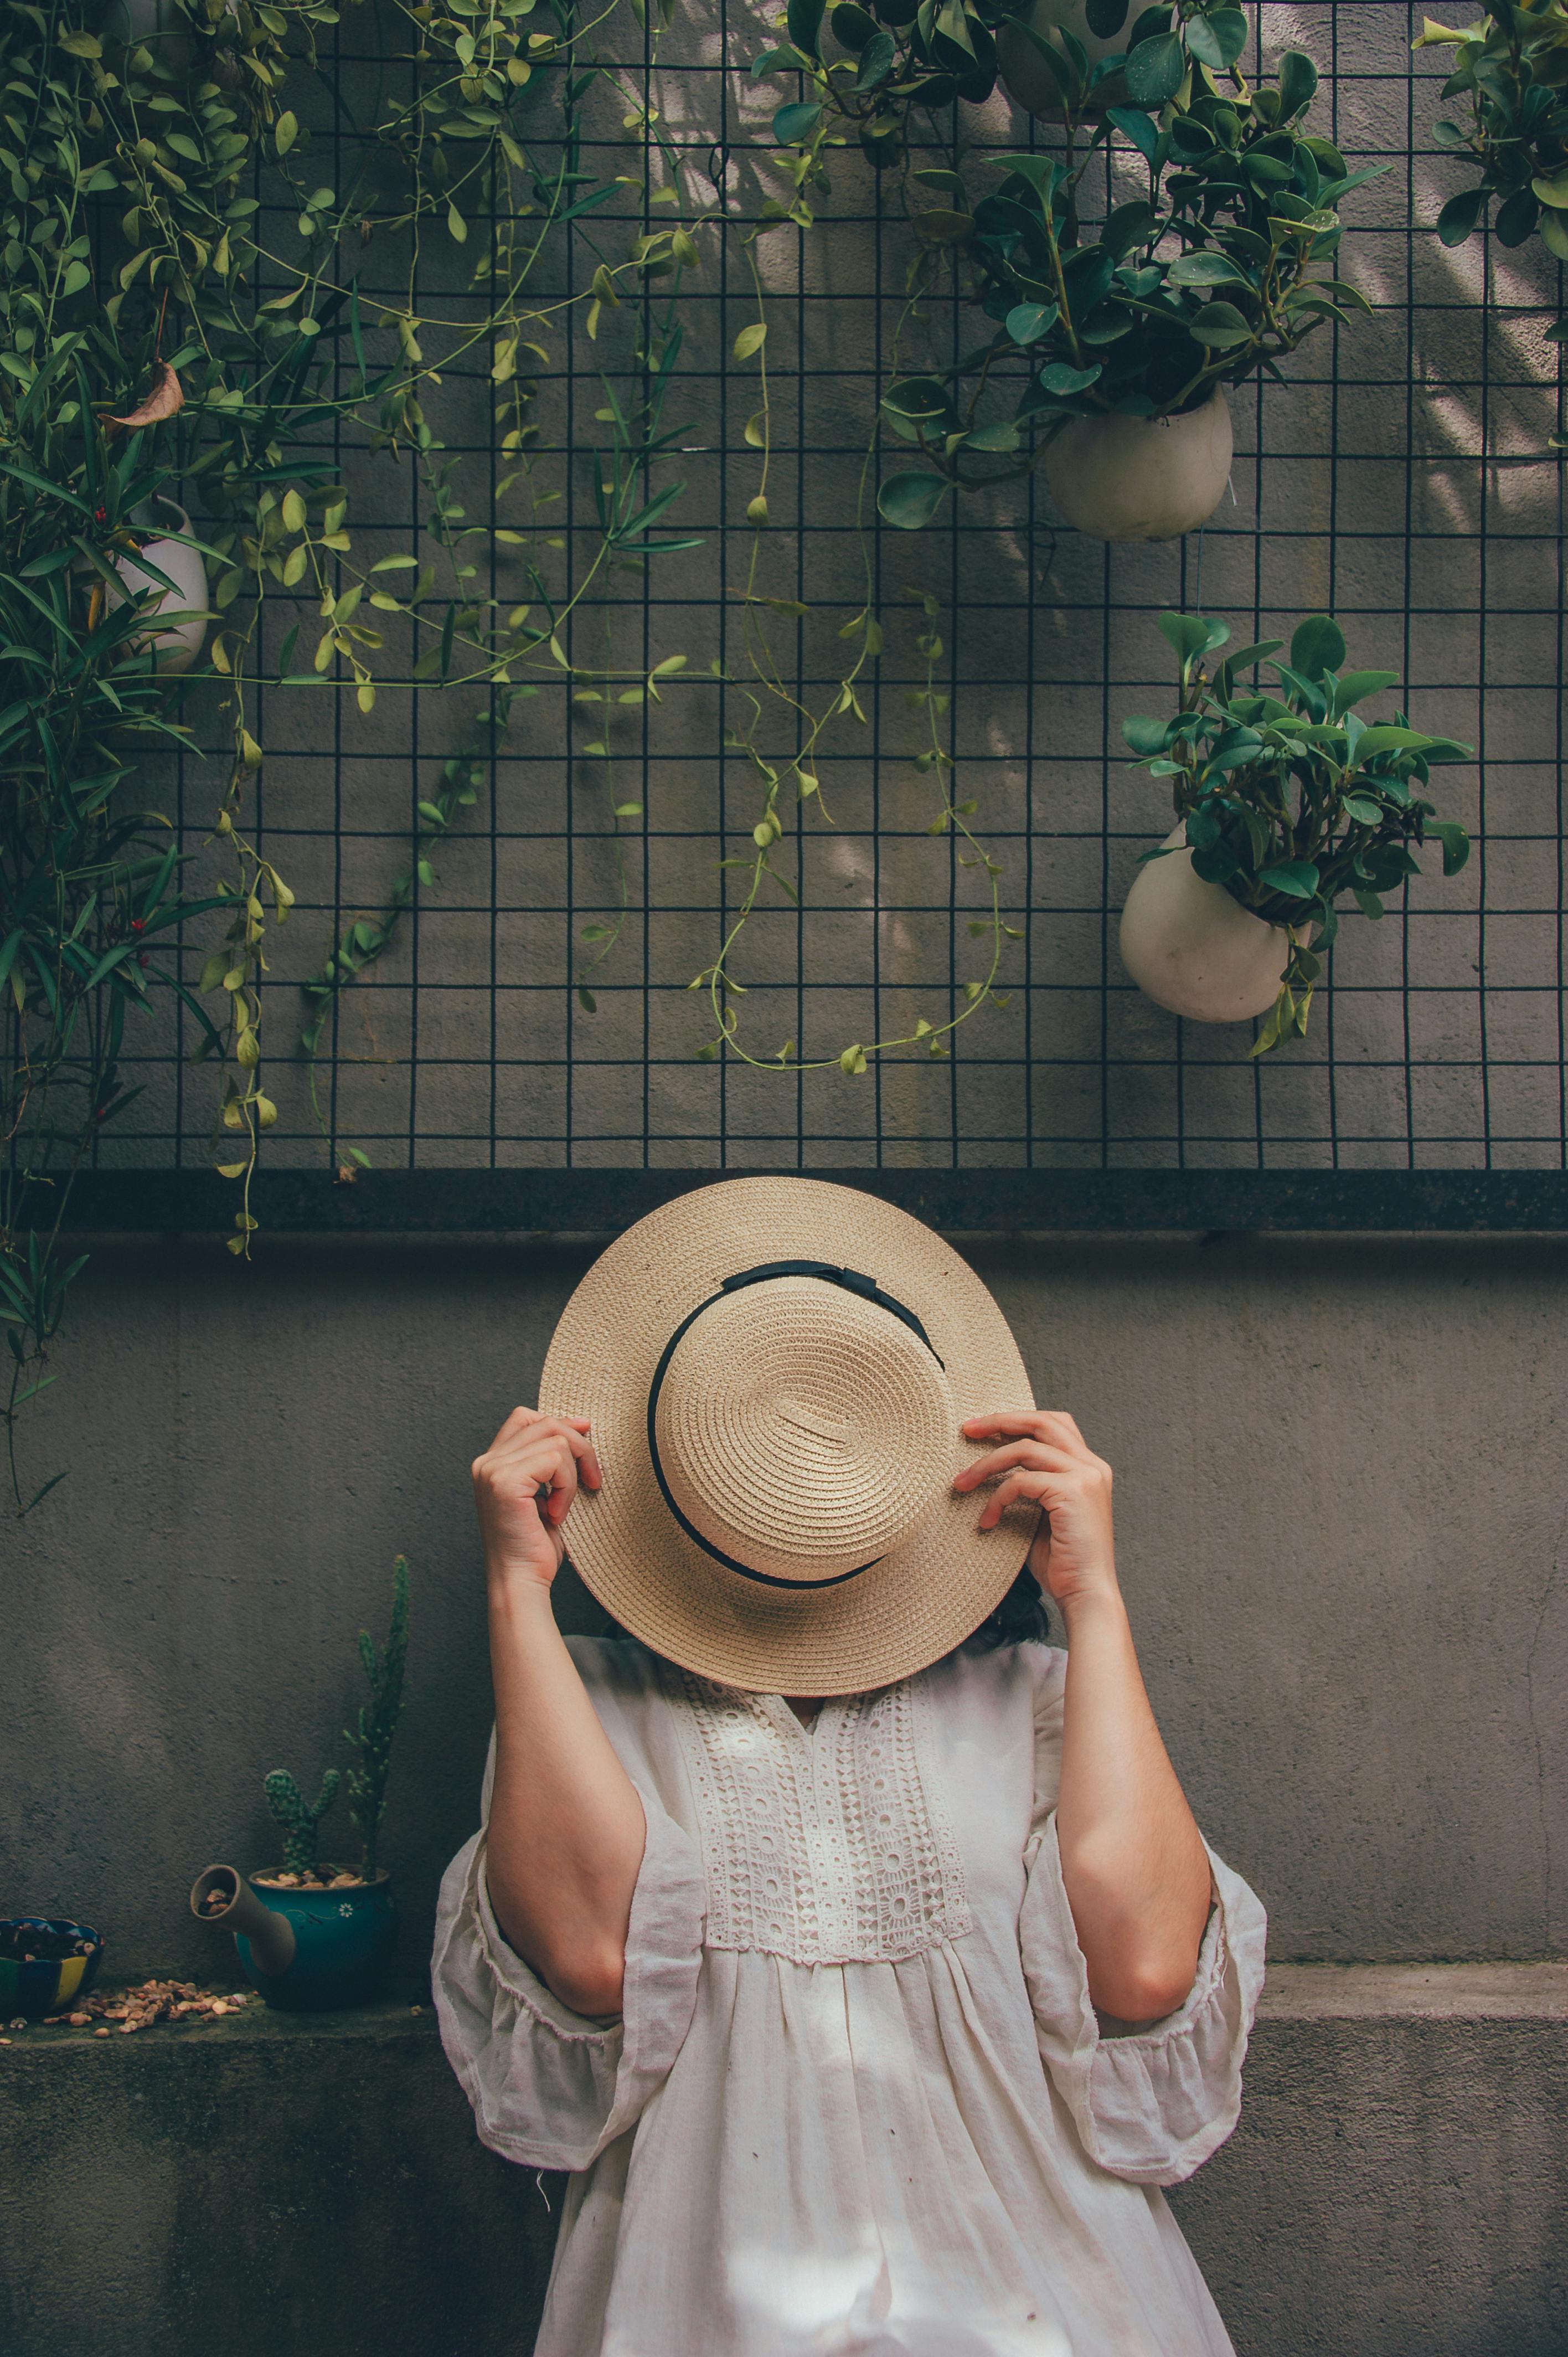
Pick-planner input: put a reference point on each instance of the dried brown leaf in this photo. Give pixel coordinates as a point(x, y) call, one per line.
point(164, 396)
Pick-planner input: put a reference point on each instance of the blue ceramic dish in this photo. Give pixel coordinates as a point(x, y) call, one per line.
point(48, 1983)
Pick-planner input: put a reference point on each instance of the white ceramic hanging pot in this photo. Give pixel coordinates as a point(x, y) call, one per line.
point(150, 21)
point(1142, 478)
point(1025, 76)
point(1190, 947)
point(167, 31)
point(176, 648)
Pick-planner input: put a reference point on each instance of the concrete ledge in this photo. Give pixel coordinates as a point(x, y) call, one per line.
point(273, 2184)
point(1399, 2182)
point(1415, 1993)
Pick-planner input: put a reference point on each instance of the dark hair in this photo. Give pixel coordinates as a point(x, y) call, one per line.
point(1021, 1616)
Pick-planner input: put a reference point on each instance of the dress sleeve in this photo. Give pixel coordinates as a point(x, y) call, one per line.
point(1149, 2104)
point(550, 2087)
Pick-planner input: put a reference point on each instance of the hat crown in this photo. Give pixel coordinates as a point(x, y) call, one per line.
point(803, 1430)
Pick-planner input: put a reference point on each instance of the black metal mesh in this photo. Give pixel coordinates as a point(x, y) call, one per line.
point(1400, 479)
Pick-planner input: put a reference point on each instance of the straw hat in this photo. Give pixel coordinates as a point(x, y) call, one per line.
point(777, 1370)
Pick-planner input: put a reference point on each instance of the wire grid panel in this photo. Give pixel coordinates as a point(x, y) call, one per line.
point(1398, 478)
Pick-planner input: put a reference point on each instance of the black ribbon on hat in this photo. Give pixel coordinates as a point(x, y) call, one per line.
point(853, 1281)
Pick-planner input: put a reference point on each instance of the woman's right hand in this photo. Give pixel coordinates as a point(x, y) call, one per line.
point(523, 1487)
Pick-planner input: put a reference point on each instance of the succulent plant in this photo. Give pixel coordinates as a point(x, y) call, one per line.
point(298, 1820)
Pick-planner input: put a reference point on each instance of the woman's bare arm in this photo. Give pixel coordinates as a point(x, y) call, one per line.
point(566, 1827)
point(1136, 1874)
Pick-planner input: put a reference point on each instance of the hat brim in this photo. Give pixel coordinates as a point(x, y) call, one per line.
point(926, 1593)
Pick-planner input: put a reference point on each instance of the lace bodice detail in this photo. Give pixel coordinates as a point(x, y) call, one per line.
point(824, 1844)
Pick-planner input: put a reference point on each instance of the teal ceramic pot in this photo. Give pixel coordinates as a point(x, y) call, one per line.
point(342, 1942)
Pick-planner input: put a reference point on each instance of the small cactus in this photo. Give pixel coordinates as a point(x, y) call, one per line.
point(298, 1820)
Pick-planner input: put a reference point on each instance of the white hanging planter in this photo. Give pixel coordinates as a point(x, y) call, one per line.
point(1142, 478)
point(150, 21)
point(1026, 78)
point(176, 648)
point(1191, 948)
point(166, 29)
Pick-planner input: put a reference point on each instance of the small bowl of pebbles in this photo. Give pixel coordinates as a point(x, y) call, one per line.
point(45, 1963)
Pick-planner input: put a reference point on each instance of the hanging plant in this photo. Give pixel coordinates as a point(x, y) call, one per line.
point(147, 375)
point(1510, 68)
point(1215, 265)
point(168, 352)
point(1286, 806)
point(1061, 59)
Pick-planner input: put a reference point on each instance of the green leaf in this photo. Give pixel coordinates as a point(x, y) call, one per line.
point(288, 132)
point(1204, 270)
point(910, 500)
point(794, 122)
point(1386, 738)
point(1218, 38)
point(1220, 324)
point(1296, 878)
point(1555, 237)
point(1191, 635)
point(1455, 844)
point(1353, 686)
point(1137, 127)
point(1318, 646)
point(1145, 737)
point(1155, 70)
point(1058, 70)
point(1459, 216)
point(1063, 378)
point(1516, 218)
point(1027, 322)
point(750, 339)
point(875, 62)
point(803, 22)
point(1298, 83)
point(1363, 810)
point(854, 27)
point(1245, 657)
point(1002, 437)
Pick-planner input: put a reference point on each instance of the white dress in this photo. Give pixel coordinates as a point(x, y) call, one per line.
point(858, 2104)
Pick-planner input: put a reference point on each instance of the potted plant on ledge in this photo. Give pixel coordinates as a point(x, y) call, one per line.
point(1286, 805)
point(321, 1934)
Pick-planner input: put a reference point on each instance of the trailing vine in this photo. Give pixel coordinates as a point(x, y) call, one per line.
point(165, 330)
point(152, 335)
point(766, 694)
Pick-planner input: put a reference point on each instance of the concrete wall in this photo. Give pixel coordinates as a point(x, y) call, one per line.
point(1342, 1507)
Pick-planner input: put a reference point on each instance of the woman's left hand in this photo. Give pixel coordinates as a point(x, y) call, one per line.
point(1133, 1864)
point(1045, 1457)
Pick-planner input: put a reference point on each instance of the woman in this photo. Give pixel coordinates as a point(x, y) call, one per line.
point(861, 1958)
